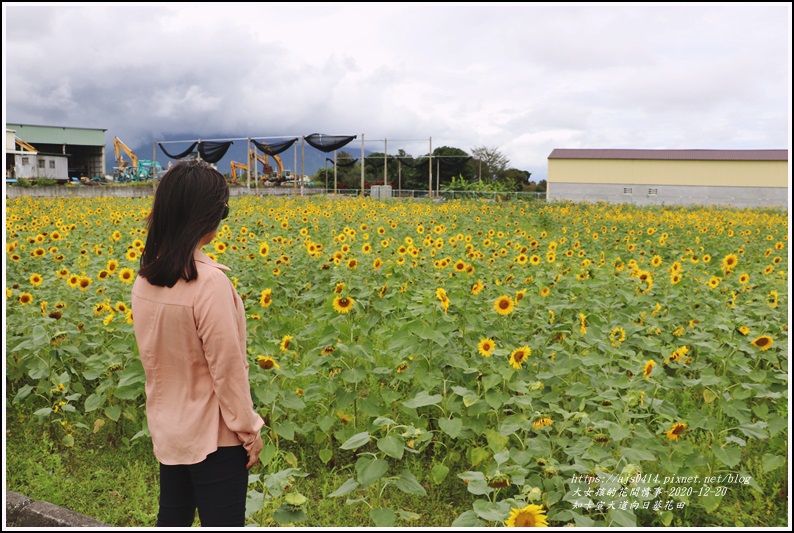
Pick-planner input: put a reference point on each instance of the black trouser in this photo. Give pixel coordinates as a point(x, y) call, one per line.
point(217, 486)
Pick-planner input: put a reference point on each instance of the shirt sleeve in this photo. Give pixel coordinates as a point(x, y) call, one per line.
point(216, 312)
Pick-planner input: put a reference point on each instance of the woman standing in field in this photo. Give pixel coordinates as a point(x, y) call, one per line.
point(190, 328)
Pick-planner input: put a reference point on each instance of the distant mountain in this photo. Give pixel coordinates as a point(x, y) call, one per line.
point(313, 158)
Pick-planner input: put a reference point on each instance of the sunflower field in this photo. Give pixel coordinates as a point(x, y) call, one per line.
point(584, 364)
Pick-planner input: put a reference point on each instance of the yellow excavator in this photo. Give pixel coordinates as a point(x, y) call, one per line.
point(267, 170)
point(235, 167)
point(139, 169)
point(122, 171)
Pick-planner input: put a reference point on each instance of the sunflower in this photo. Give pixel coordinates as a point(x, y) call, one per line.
point(675, 278)
point(504, 305)
point(264, 249)
point(266, 362)
point(477, 287)
point(530, 516)
point(265, 300)
point(485, 346)
point(343, 305)
point(582, 328)
point(617, 336)
point(534, 260)
point(744, 278)
point(36, 280)
point(441, 294)
point(132, 254)
point(730, 261)
point(744, 330)
point(377, 263)
point(285, 342)
point(674, 432)
point(112, 265)
point(679, 355)
point(545, 291)
point(328, 350)
point(714, 282)
point(382, 291)
point(25, 298)
point(649, 368)
point(220, 247)
point(541, 422)
point(519, 355)
point(764, 342)
point(352, 264)
point(771, 299)
point(551, 319)
point(769, 269)
point(127, 275)
point(84, 282)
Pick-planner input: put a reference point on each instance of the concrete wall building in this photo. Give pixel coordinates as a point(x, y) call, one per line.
point(81, 150)
point(741, 178)
point(22, 161)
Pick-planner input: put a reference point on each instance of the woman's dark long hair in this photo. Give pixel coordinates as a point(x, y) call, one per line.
point(189, 203)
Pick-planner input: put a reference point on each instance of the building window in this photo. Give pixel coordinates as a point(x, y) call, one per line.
point(653, 192)
point(52, 164)
point(42, 163)
point(25, 161)
point(627, 190)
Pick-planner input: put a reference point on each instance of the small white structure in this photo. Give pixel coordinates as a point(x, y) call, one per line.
point(32, 164)
point(380, 191)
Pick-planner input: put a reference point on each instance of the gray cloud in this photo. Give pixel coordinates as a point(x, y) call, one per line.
point(525, 78)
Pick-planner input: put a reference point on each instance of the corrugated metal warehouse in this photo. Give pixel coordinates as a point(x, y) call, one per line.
point(84, 148)
point(742, 178)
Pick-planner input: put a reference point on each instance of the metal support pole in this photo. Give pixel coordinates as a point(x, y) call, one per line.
point(303, 161)
point(438, 177)
point(295, 166)
point(335, 173)
point(430, 169)
point(251, 161)
point(385, 159)
point(399, 175)
point(362, 164)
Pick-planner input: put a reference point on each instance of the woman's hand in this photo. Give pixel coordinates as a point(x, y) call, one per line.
point(254, 451)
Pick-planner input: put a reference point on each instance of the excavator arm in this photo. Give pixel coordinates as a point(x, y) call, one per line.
point(25, 146)
point(118, 147)
point(263, 158)
point(235, 165)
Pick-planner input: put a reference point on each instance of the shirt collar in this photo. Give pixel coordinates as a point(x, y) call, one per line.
point(201, 257)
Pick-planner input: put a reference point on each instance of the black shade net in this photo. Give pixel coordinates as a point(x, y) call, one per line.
point(413, 163)
point(452, 161)
point(178, 156)
point(210, 151)
point(275, 148)
point(213, 151)
point(328, 143)
point(342, 162)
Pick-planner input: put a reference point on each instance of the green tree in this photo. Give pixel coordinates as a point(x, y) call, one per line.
point(514, 179)
point(491, 163)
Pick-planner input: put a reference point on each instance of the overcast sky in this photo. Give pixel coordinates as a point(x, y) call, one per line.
point(523, 78)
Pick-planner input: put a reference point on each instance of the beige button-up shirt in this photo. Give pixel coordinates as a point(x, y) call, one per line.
point(191, 339)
